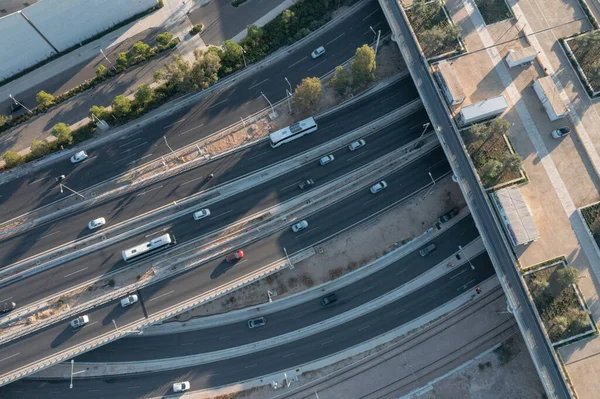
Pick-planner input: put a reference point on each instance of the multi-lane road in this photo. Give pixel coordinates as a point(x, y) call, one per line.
point(74, 226)
point(218, 110)
point(322, 225)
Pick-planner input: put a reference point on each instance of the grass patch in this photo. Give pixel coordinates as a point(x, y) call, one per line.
point(493, 11)
point(585, 49)
point(557, 303)
point(436, 34)
point(591, 214)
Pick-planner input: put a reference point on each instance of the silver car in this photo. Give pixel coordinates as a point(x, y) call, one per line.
point(300, 226)
point(378, 187)
point(94, 224)
point(79, 156)
point(326, 159)
point(355, 145)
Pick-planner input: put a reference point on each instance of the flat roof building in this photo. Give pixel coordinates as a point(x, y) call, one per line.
point(448, 80)
point(550, 98)
point(483, 110)
point(515, 216)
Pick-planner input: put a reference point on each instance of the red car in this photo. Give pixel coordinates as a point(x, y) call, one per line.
point(234, 257)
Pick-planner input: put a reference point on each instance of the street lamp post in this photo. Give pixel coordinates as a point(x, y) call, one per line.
point(460, 248)
point(432, 186)
point(272, 108)
point(289, 84)
point(244, 58)
point(167, 143)
point(289, 99)
point(106, 58)
point(138, 332)
point(70, 189)
point(72, 373)
point(21, 104)
point(376, 38)
point(288, 258)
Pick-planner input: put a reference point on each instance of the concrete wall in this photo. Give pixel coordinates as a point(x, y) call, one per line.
point(21, 46)
point(65, 23)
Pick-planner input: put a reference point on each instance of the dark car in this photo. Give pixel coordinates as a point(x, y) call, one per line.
point(328, 299)
point(447, 216)
point(427, 250)
point(7, 306)
point(14, 107)
point(306, 183)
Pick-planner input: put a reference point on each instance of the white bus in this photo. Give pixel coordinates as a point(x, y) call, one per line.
point(147, 248)
point(293, 132)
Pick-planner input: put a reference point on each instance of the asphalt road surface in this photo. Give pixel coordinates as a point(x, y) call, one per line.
point(542, 352)
point(218, 110)
point(74, 226)
point(323, 225)
point(280, 358)
point(291, 319)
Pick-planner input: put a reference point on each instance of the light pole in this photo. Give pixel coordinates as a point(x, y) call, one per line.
point(244, 58)
point(289, 84)
point(425, 127)
point(460, 248)
point(167, 143)
point(21, 104)
point(377, 36)
point(272, 109)
point(70, 189)
point(289, 100)
point(106, 58)
point(270, 294)
point(288, 258)
point(138, 332)
point(72, 373)
point(432, 186)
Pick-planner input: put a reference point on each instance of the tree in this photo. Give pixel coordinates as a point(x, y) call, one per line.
point(511, 162)
point(174, 73)
point(307, 94)
point(39, 148)
point(44, 99)
point(143, 95)
point(363, 66)
point(164, 39)
point(566, 277)
point(141, 51)
point(12, 159)
point(4, 119)
point(231, 57)
point(341, 80)
point(499, 126)
point(63, 133)
point(559, 326)
point(101, 70)
point(582, 320)
point(205, 70)
point(489, 171)
point(436, 38)
point(121, 106)
point(478, 132)
point(540, 285)
point(123, 60)
point(98, 111)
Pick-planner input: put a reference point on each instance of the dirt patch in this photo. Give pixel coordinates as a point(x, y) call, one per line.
point(344, 253)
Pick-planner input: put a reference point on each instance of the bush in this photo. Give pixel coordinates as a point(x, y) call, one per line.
point(123, 60)
point(63, 134)
point(99, 112)
point(39, 148)
point(140, 52)
point(143, 95)
point(489, 171)
point(44, 99)
point(121, 106)
point(12, 159)
point(196, 29)
point(101, 70)
point(341, 80)
point(4, 119)
point(164, 39)
point(566, 277)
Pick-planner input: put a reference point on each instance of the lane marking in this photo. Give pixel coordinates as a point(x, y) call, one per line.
point(337, 37)
point(11, 356)
point(288, 355)
point(147, 191)
point(127, 157)
point(297, 62)
point(157, 232)
point(70, 274)
point(225, 337)
point(356, 156)
point(187, 343)
point(133, 387)
point(189, 130)
point(458, 274)
point(6, 299)
point(193, 180)
point(259, 154)
point(219, 103)
point(291, 185)
point(126, 144)
point(134, 147)
point(367, 289)
point(174, 123)
point(259, 83)
point(48, 235)
point(305, 232)
point(221, 214)
point(399, 311)
point(314, 66)
point(400, 272)
point(364, 328)
point(132, 134)
point(370, 15)
point(326, 342)
point(90, 324)
point(146, 156)
point(160, 296)
point(39, 180)
point(252, 365)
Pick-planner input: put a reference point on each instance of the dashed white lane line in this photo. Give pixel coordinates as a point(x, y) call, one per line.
point(191, 181)
point(316, 65)
point(134, 147)
point(174, 123)
point(160, 296)
point(367, 289)
point(219, 103)
point(189, 130)
point(10, 357)
point(221, 214)
point(335, 38)
point(326, 342)
point(70, 274)
point(257, 84)
point(288, 355)
point(305, 232)
point(39, 180)
point(147, 191)
point(356, 156)
point(364, 328)
point(397, 312)
point(129, 143)
point(291, 185)
point(297, 62)
point(370, 15)
point(51, 234)
point(251, 365)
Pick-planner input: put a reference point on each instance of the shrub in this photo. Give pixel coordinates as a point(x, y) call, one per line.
point(196, 29)
point(4, 119)
point(140, 52)
point(101, 70)
point(341, 80)
point(143, 95)
point(99, 112)
point(39, 148)
point(121, 106)
point(12, 159)
point(566, 277)
point(511, 162)
point(44, 99)
point(489, 171)
point(123, 60)
point(164, 39)
point(63, 133)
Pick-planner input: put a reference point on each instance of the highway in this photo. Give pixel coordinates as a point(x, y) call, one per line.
point(74, 226)
point(323, 225)
point(97, 263)
point(231, 335)
point(218, 110)
point(277, 359)
point(542, 353)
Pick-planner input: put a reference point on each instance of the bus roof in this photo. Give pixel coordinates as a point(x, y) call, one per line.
point(293, 129)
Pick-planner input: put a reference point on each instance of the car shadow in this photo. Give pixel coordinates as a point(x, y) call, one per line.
point(67, 333)
point(222, 268)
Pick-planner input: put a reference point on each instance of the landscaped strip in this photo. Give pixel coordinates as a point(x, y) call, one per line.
point(493, 11)
point(582, 51)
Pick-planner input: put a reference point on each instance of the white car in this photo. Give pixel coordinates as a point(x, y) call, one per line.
point(318, 52)
point(561, 132)
point(181, 386)
point(78, 157)
point(378, 187)
point(326, 159)
point(94, 224)
point(356, 145)
point(299, 226)
point(80, 321)
point(201, 214)
point(128, 301)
